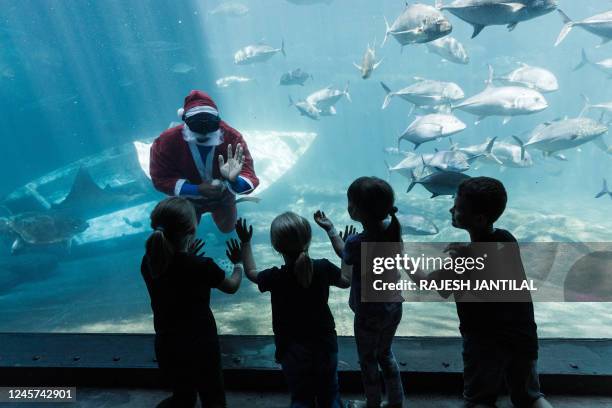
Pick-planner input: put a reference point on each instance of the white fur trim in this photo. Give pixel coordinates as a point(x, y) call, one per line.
point(180, 112)
point(178, 186)
point(201, 109)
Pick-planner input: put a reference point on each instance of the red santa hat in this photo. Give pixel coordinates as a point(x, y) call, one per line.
point(197, 102)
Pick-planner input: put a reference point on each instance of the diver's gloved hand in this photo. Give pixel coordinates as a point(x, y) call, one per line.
point(231, 168)
point(211, 190)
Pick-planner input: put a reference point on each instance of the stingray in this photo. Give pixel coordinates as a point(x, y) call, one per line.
point(87, 199)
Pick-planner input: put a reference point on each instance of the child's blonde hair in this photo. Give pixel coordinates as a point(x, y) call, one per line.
point(290, 235)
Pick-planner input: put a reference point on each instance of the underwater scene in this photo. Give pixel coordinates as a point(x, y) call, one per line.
point(423, 95)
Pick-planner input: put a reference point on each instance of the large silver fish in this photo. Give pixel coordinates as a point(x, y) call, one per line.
point(295, 77)
point(449, 49)
point(600, 25)
point(426, 92)
point(439, 183)
point(501, 154)
point(414, 224)
point(431, 127)
point(564, 134)
point(226, 82)
point(258, 53)
point(429, 162)
point(368, 63)
point(536, 78)
point(418, 24)
point(505, 101)
point(604, 66)
point(306, 108)
point(603, 107)
point(230, 9)
point(482, 13)
point(325, 99)
point(604, 191)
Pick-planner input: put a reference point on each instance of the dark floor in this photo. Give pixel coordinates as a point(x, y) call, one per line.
point(134, 398)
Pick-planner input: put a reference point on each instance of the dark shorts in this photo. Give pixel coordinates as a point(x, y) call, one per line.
point(487, 367)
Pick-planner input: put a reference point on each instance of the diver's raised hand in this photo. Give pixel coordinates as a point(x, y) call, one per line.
point(322, 221)
point(244, 233)
point(231, 168)
point(234, 251)
point(348, 231)
point(195, 247)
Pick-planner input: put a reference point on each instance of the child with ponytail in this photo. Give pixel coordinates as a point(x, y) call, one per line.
point(179, 279)
point(371, 203)
point(303, 325)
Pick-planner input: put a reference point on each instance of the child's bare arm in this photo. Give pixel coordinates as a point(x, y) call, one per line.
point(337, 240)
point(231, 283)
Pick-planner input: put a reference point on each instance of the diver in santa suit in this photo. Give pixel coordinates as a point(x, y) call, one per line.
point(204, 160)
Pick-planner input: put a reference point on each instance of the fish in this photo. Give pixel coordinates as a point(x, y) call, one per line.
point(431, 127)
point(536, 78)
point(182, 68)
point(252, 54)
point(605, 107)
point(230, 9)
point(505, 101)
point(133, 224)
point(600, 25)
point(426, 92)
point(368, 63)
point(448, 160)
point(295, 77)
point(483, 13)
point(418, 24)
point(604, 66)
point(86, 199)
point(325, 99)
point(310, 2)
point(450, 49)
point(228, 81)
point(414, 224)
point(306, 108)
point(604, 190)
point(564, 134)
point(503, 154)
point(439, 183)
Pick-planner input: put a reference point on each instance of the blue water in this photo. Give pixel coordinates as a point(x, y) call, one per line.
point(79, 77)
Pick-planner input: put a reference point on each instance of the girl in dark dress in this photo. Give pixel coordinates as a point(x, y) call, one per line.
point(179, 280)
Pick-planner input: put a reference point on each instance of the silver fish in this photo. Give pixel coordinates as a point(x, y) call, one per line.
point(482, 13)
point(501, 154)
point(604, 107)
point(426, 92)
point(600, 25)
point(228, 81)
point(306, 108)
point(449, 49)
point(604, 191)
point(258, 53)
point(368, 63)
point(604, 66)
point(505, 101)
point(536, 78)
point(563, 134)
point(440, 183)
point(418, 24)
point(230, 9)
point(325, 99)
point(413, 224)
point(431, 127)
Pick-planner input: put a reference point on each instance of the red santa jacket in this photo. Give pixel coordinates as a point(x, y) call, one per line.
point(175, 160)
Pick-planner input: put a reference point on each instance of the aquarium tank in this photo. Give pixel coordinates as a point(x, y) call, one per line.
point(322, 92)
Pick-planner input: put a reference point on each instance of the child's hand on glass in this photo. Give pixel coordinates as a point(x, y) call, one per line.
point(348, 231)
point(195, 247)
point(243, 231)
point(234, 251)
point(322, 221)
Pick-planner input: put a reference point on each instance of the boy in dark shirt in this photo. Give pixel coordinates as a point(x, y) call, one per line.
point(500, 341)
